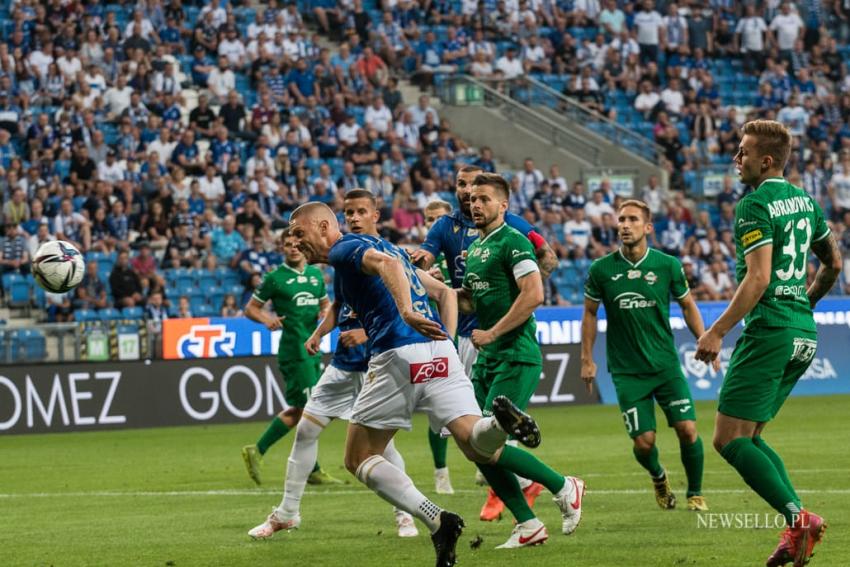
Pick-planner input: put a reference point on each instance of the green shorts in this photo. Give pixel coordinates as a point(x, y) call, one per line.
point(299, 377)
point(493, 377)
point(636, 393)
point(765, 366)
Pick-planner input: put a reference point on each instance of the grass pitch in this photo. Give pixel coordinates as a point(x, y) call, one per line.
point(180, 496)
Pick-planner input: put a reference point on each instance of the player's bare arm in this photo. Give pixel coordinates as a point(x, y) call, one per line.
point(421, 258)
point(546, 259)
point(530, 297)
point(589, 325)
point(325, 326)
point(693, 319)
point(255, 312)
point(827, 251)
point(391, 272)
point(353, 338)
point(464, 301)
point(746, 297)
point(445, 298)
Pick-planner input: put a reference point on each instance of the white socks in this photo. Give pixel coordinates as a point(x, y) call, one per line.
point(392, 455)
point(394, 486)
point(302, 459)
point(487, 437)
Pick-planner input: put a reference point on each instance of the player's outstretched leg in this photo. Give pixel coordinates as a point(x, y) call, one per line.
point(393, 485)
point(486, 440)
point(439, 449)
point(528, 530)
point(646, 454)
point(405, 525)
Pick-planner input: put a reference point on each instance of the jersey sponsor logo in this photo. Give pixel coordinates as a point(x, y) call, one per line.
point(305, 299)
point(634, 274)
point(518, 253)
point(633, 300)
point(752, 236)
point(301, 279)
point(314, 280)
point(685, 405)
point(615, 278)
point(790, 291)
point(650, 278)
point(745, 222)
point(789, 206)
point(476, 253)
point(422, 372)
point(475, 283)
point(485, 254)
point(206, 341)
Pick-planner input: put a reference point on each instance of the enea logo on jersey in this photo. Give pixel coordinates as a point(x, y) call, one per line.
point(421, 372)
point(305, 299)
point(197, 338)
point(633, 300)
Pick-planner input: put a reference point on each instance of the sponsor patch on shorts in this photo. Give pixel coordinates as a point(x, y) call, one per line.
point(421, 372)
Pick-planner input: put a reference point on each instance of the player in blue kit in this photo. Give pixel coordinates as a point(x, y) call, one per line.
point(414, 365)
point(334, 394)
point(451, 235)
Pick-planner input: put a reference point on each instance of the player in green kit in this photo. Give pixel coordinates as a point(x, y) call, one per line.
point(635, 284)
point(503, 286)
point(776, 226)
point(298, 296)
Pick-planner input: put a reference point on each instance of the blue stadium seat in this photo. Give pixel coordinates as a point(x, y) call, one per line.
point(19, 292)
point(86, 315)
point(205, 279)
point(183, 277)
point(133, 312)
point(215, 297)
point(204, 310)
point(109, 314)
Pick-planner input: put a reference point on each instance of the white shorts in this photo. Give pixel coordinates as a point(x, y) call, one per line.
point(468, 354)
point(424, 376)
point(334, 394)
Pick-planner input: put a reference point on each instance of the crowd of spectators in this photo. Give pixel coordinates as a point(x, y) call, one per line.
point(163, 135)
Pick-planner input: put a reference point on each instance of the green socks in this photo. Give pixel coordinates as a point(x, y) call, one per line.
point(528, 466)
point(649, 461)
point(506, 487)
point(692, 459)
point(778, 464)
point(758, 471)
point(439, 448)
point(275, 431)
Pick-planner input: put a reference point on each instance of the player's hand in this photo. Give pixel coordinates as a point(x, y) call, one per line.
point(708, 346)
point(424, 326)
point(312, 344)
point(353, 338)
point(715, 364)
point(417, 256)
point(436, 273)
point(482, 338)
point(274, 323)
point(588, 374)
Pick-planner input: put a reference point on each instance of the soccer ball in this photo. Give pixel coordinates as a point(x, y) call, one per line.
point(58, 266)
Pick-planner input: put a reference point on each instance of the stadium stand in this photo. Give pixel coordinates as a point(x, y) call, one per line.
point(186, 133)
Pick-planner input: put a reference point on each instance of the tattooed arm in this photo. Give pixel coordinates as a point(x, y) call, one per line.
point(826, 249)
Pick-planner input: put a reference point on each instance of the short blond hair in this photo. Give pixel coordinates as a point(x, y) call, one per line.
point(772, 139)
point(434, 205)
point(647, 212)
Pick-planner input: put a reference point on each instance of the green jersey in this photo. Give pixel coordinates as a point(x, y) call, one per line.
point(785, 216)
point(636, 297)
point(295, 295)
point(494, 264)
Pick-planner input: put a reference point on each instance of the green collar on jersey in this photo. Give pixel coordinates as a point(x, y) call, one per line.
point(771, 180)
point(291, 269)
point(635, 264)
point(501, 226)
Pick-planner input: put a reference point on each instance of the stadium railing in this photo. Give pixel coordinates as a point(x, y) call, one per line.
point(467, 90)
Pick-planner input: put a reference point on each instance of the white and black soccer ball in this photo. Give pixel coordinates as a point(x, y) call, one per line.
point(58, 266)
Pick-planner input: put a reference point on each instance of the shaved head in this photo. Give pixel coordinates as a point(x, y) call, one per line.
point(315, 228)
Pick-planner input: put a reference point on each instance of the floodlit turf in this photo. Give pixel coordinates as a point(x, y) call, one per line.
point(181, 497)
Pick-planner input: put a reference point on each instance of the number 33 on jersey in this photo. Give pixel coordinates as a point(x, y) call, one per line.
point(785, 216)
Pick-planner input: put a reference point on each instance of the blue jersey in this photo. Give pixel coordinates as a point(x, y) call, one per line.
point(350, 359)
point(452, 234)
point(370, 299)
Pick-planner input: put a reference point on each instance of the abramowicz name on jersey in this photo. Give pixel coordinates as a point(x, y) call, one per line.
point(789, 206)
